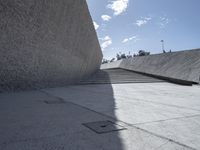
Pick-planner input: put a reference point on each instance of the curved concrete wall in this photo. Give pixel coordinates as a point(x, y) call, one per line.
point(183, 65)
point(45, 43)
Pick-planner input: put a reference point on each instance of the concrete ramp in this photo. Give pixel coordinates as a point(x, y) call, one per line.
point(183, 66)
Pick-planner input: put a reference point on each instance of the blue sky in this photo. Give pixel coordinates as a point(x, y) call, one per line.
point(131, 25)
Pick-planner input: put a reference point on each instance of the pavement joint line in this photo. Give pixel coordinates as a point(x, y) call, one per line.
point(171, 105)
point(181, 107)
point(163, 137)
point(167, 119)
point(57, 97)
point(128, 124)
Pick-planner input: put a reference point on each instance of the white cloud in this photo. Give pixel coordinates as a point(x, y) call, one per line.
point(163, 22)
point(106, 41)
point(130, 39)
point(105, 17)
point(143, 21)
point(96, 26)
point(147, 18)
point(139, 23)
point(118, 6)
point(125, 40)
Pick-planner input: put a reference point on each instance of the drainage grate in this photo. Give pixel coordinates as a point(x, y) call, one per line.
point(103, 126)
point(55, 101)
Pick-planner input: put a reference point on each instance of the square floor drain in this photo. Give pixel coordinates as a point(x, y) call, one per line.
point(103, 126)
point(57, 101)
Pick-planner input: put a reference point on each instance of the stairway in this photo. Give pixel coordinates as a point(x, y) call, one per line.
point(117, 76)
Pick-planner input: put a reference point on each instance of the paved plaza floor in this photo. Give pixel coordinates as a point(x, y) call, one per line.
point(151, 116)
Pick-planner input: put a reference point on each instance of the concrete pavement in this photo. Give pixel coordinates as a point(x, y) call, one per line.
point(155, 115)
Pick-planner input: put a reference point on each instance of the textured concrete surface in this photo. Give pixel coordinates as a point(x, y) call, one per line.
point(162, 109)
point(116, 76)
point(112, 65)
point(156, 116)
point(183, 65)
point(46, 43)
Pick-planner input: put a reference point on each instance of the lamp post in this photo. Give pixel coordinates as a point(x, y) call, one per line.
point(163, 49)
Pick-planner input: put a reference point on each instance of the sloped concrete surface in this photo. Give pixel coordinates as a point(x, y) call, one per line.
point(46, 43)
point(183, 65)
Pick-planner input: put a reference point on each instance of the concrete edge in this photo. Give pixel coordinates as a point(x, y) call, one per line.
point(169, 79)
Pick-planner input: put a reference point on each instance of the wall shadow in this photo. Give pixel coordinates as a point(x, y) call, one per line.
point(98, 96)
point(53, 118)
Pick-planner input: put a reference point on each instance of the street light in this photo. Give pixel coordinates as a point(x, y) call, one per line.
point(163, 49)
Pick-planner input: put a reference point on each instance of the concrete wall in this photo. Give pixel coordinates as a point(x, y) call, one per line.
point(183, 65)
point(46, 43)
point(111, 65)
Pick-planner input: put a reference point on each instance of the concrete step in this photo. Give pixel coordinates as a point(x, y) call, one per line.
point(114, 76)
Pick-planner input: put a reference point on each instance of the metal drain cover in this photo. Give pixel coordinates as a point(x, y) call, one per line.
point(103, 126)
point(55, 101)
